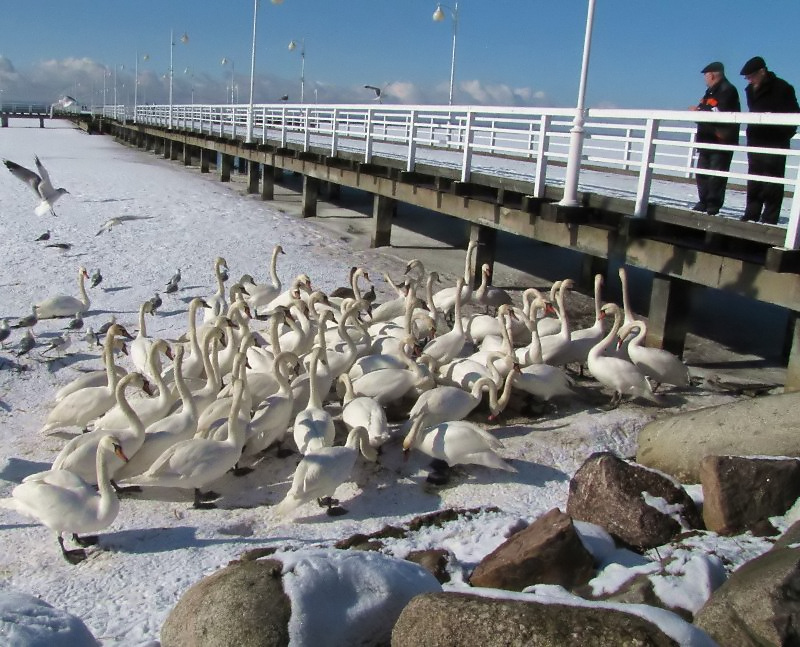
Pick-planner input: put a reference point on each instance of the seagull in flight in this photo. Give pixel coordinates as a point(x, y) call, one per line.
point(109, 224)
point(39, 183)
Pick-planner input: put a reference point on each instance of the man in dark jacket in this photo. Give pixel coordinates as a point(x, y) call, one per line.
point(720, 96)
point(766, 93)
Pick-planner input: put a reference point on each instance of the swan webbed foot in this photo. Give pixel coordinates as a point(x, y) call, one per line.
point(335, 511)
point(75, 556)
point(614, 402)
point(204, 500)
point(88, 540)
point(283, 452)
point(128, 489)
point(438, 465)
point(328, 502)
point(241, 471)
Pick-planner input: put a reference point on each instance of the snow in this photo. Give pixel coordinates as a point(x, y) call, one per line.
point(159, 545)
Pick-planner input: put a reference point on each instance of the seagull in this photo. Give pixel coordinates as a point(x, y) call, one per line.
point(28, 320)
point(171, 287)
point(175, 278)
point(109, 224)
point(97, 278)
point(90, 337)
point(59, 343)
point(27, 343)
point(44, 236)
point(151, 305)
point(378, 91)
point(172, 284)
point(40, 183)
point(76, 323)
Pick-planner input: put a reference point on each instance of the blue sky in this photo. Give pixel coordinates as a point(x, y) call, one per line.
point(645, 53)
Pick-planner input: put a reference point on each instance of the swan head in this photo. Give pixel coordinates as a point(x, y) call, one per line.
point(82, 273)
point(112, 445)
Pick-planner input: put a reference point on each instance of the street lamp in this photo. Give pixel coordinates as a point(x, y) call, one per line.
point(184, 40)
point(116, 67)
point(189, 72)
point(576, 134)
point(226, 61)
point(145, 58)
point(439, 16)
point(249, 138)
point(292, 47)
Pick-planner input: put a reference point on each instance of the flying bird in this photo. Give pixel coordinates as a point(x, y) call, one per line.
point(378, 92)
point(44, 236)
point(109, 224)
point(97, 278)
point(39, 183)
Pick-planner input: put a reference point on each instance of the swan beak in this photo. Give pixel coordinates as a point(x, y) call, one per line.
point(147, 388)
point(118, 451)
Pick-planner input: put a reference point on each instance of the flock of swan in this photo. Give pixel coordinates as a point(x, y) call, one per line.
point(262, 367)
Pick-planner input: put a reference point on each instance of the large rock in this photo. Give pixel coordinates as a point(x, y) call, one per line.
point(27, 621)
point(549, 551)
point(759, 604)
point(456, 619)
point(243, 605)
point(637, 506)
point(765, 426)
point(740, 494)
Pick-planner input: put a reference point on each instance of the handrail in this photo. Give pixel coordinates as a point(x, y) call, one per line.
point(528, 143)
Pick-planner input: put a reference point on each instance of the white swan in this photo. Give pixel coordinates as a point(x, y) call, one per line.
point(197, 462)
point(80, 407)
point(163, 433)
point(445, 348)
point(582, 340)
point(313, 426)
point(629, 317)
point(65, 503)
point(445, 299)
point(271, 420)
point(324, 469)
point(139, 349)
point(260, 294)
point(300, 284)
point(658, 364)
point(193, 366)
point(443, 403)
point(78, 455)
point(65, 305)
point(389, 384)
point(217, 303)
point(457, 442)
point(488, 295)
point(615, 373)
point(92, 378)
point(364, 412)
point(465, 371)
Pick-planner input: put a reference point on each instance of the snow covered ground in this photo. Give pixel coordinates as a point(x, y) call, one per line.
point(159, 545)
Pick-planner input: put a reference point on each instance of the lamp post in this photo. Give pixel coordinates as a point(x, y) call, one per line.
point(190, 74)
point(576, 134)
point(184, 40)
point(145, 58)
point(439, 16)
point(249, 137)
point(116, 67)
point(292, 47)
point(226, 61)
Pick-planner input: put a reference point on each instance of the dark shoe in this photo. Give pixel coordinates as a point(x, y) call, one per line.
point(700, 206)
point(746, 218)
point(712, 211)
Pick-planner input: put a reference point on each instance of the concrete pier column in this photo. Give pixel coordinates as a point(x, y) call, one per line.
point(793, 364)
point(668, 318)
point(590, 266)
point(333, 191)
point(267, 182)
point(187, 154)
point(242, 165)
point(205, 156)
point(175, 150)
point(253, 175)
point(41, 122)
point(167, 148)
point(158, 145)
point(383, 210)
point(3, 121)
point(310, 196)
point(486, 237)
point(225, 168)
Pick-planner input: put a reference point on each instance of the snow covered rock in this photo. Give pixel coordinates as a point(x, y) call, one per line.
point(27, 621)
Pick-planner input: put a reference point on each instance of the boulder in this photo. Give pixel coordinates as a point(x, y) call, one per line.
point(763, 426)
point(741, 493)
point(637, 506)
point(759, 604)
point(27, 620)
point(456, 619)
point(790, 536)
point(549, 551)
point(433, 560)
point(242, 605)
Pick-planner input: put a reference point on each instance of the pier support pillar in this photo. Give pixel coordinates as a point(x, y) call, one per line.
point(175, 150)
point(242, 166)
point(187, 155)
point(668, 318)
point(310, 196)
point(3, 121)
point(253, 175)
point(41, 122)
point(333, 191)
point(205, 156)
point(225, 168)
point(158, 145)
point(793, 364)
point(267, 182)
point(486, 237)
point(167, 148)
point(383, 210)
point(590, 266)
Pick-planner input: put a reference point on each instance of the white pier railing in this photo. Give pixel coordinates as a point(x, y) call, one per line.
point(650, 147)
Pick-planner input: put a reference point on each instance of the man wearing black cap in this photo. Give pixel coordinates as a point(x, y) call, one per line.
point(766, 93)
point(720, 96)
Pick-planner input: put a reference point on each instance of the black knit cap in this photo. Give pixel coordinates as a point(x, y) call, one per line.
point(753, 65)
point(716, 66)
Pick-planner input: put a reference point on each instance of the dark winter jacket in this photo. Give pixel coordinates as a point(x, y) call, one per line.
point(720, 97)
point(773, 95)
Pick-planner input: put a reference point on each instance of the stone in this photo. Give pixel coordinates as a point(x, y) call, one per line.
point(741, 493)
point(637, 506)
point(460, 619)
point(549, 551)
point(790, 536)
point(27, 620)
point(242, 605)
point(759, 604)
point(763, 426)
point(434, 561)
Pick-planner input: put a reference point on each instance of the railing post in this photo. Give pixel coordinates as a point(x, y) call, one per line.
point(540, 175)
point(646, 171)
point(626, 154)
point(368, 137)
point(690, 153)
point(412, 141)
point(283, 127)
point(334, 130)
point(466, 160)
point(792, 240)
point(306, 129)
